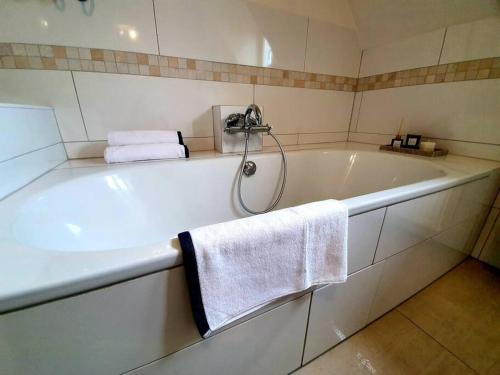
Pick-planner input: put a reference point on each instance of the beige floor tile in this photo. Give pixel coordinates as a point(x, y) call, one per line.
point(462, 312)
point(390, 345)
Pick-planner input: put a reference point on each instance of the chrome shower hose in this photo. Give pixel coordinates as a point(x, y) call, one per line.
point(283, 181)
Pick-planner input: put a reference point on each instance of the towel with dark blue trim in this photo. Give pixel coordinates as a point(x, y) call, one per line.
point(237, 267)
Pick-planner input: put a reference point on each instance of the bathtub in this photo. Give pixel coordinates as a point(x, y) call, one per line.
point(78, 229)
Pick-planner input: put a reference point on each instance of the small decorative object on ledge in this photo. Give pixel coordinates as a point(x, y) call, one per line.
point(415, 151)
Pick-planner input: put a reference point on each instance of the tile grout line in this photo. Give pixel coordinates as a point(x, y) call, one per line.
point(442, 45)
point(305, 49)
point(490, 233)
point(80, 108)
point(156, 28)
point(432, 337)
point(380, 234)
point(307, 329)
point(360, 100)
point(30, 152)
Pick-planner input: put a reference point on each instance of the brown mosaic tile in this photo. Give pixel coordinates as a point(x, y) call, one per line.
point(21, 62)
point(142, 59)
point(154, 70)
point(120, 57)
point(191, 64)
point(49, 63)
point(59, 52)
point(33, 56)
point(97, 54)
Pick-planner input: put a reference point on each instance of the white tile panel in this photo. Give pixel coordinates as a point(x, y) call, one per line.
point(49, 88)
point(470, 41)
point(26, 129)
point(231, 31)
point(339, 310)
point(293, 110)
point(127, 25)
point(332, 49)
point(417, 51)
point(123, 102)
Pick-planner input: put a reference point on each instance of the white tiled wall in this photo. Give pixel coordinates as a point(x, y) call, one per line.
point(475, 40)
point(461, 116)
point(457, 110)
point(30, 145)
point(332, 49)
point(88, 105)
point(421, 50)
point(118, 102)
point(50, 88)
point(233, 31)
point(292, 110)
point(114, 24)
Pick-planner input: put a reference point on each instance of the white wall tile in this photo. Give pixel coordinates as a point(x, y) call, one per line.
point(411, 222)
point(421, 50)
point(491, 250)
point(356, 106)
point(406, 273)
point(458, 110)
point(26, 129)
point(17, 172)
point(113, 24)
point(332, 49)
point(339, 310)
point(50, 88)
point(274, 338)
point(364, 231)
point(469, 41)
point(123, 102)
point(475, 150)
point(292, 110)
point(232, 31)
point(76, 150)
point(199, 143)
point(322, 137)
point(285, 139)
point(371, 138)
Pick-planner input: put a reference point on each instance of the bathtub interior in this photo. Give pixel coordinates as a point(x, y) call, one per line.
point(139, 205)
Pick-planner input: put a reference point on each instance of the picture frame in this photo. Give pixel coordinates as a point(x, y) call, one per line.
point(412, 141)
point(397, 143)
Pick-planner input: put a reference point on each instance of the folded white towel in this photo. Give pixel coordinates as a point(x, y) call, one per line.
point(119, 154)
point(236, 267)
point(140, 137)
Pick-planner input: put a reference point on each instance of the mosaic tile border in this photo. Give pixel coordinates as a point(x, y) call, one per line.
point(459, 71)
point(51, 57)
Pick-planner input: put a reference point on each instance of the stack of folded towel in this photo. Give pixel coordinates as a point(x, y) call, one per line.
point(126, 146)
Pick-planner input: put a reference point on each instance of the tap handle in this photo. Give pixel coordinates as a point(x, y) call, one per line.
point(234, 119)
point(249, 121)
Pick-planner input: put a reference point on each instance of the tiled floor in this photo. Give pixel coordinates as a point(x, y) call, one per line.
point(451, 327)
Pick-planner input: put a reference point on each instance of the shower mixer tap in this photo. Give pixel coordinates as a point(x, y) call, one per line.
point(246, 123)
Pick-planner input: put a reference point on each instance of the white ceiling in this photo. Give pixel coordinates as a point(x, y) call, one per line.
point(384, 21)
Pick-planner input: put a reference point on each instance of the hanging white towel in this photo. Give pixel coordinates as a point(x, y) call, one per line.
point(139, 137)
point(234, 268)
point(119, 154)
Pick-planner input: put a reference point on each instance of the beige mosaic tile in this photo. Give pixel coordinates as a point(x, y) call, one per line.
point(33, 56)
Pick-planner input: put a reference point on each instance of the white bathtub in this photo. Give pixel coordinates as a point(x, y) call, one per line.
point(80, 228)
point(91, 252)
